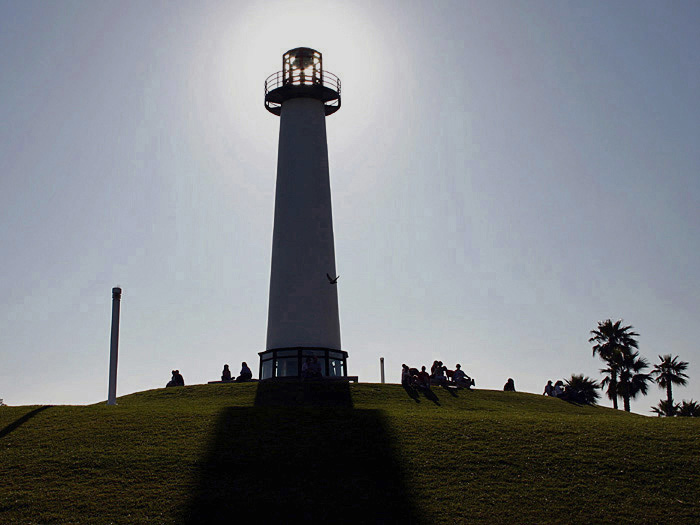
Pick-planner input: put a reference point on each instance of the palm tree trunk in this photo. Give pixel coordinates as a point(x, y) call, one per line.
point(669, 397)
point(627, 403)
point(613, 389)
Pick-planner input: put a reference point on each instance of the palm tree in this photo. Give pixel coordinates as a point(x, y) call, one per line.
point(689, 409)
point(611, 339)
point(632, 380)
point(582, 389)
point(670, 371)
point(610, 374)
point(664, 409)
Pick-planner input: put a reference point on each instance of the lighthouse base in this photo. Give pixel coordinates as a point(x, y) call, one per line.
point(289, 362)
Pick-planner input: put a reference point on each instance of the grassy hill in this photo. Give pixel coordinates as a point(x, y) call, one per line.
point(338, 453)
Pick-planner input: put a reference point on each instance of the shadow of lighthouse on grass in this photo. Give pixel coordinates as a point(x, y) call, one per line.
point(302, 452)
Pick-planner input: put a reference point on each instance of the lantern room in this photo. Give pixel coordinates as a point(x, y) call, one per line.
point(302, 66)
point(302, 76)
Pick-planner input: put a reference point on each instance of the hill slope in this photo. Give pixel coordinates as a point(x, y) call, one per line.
point(343, 453)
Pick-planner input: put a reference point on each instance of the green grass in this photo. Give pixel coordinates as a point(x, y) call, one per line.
point(332, 453)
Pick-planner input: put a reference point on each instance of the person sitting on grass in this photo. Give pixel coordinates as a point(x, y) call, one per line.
point(246, 374)
point(176, 380)
point(439, 375)
point(460, 378)
point(405, 375)
point(226, 374)
point(549, 389)
point(423, 378)
point(509, 386)
point(559, 388)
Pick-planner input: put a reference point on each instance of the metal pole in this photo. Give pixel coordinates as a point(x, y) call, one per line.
point(381, 368)
point(114, 347)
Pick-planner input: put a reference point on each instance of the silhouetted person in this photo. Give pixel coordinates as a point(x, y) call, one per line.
point(439, 374)
point(245, 375)
point(559, 388)
point(311, 369)
point(305, 368)
point(549, 389)
point(405, 376)
point(226, 374)
point(509, 386)
point(176, 380)
point(423, 378)
point(315, 367)
point(460, 378)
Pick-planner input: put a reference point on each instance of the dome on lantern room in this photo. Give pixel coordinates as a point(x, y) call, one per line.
point(302, 75)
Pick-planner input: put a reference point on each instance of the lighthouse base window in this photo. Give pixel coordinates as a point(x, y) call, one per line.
point(335, 368)
point(266, 369)
point(287, 367)
point(288, 362)
point(318, 354)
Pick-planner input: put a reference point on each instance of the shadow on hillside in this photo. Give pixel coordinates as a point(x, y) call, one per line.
point(452, 390)
point(306, 457)
point(303, 393)
point(412, 393)
point(428, 393)
point(26, 417)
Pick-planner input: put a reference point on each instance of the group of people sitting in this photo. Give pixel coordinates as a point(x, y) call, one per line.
point(245, 375)
point(176, 380)
point(556, 390)
point(439, 375)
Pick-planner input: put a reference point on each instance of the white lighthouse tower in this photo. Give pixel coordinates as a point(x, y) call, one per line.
point(303, 319)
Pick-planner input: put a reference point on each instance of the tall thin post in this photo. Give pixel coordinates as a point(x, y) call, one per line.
point(114, 347)
point(381, 368)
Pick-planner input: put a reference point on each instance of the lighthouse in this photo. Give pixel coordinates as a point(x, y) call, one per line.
point(303, 321)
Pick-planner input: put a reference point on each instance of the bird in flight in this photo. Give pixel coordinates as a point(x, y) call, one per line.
point(332, 280)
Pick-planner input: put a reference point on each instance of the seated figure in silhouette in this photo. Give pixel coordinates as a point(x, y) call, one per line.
point(509, 386)
point(405, 375)
point(226, 374)
point(423, 378)
point(559, 388)
point(245, 375)
point(460, 378)
point(413, 373)
point(548, 389)
point(438, 377)
point(176, 380)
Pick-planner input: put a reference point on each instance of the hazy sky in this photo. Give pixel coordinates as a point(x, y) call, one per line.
point(504, 176)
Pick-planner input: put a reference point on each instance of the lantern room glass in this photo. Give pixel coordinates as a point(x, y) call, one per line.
point(302, 66)
point(288, 362)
